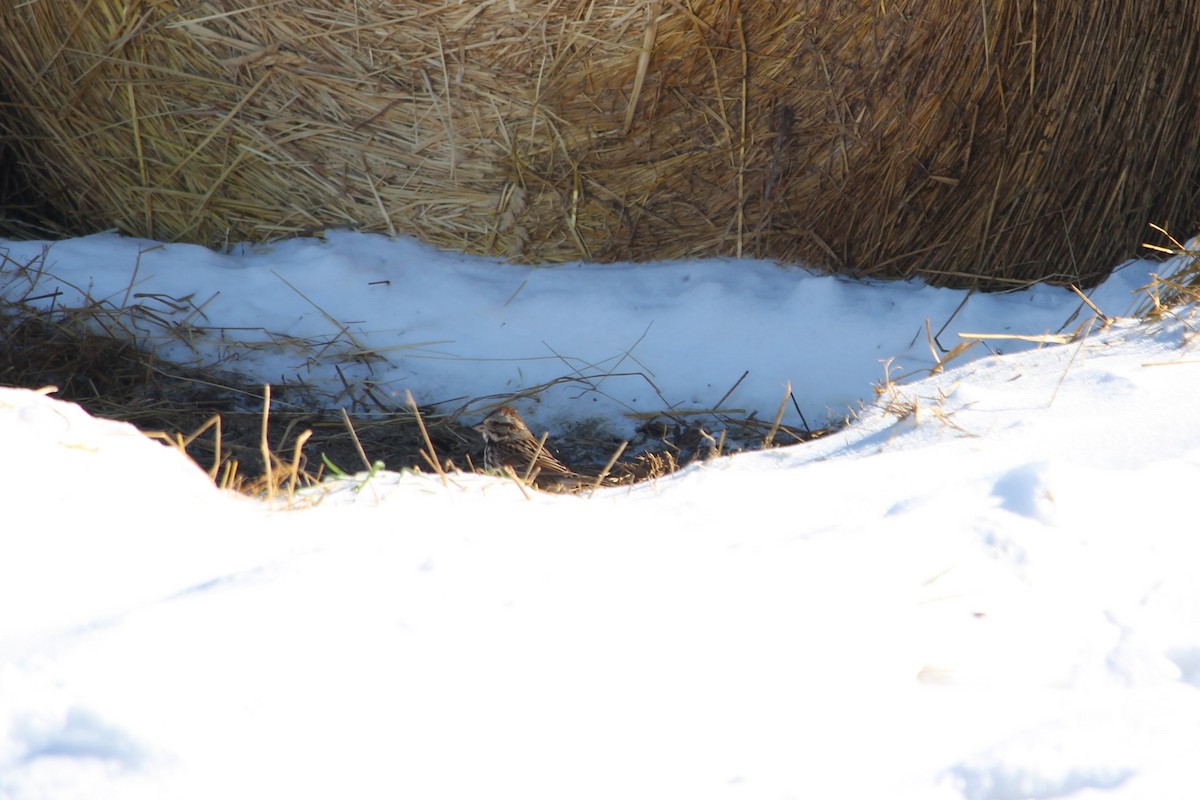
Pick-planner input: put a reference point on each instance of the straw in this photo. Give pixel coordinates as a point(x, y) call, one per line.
point(984, 143)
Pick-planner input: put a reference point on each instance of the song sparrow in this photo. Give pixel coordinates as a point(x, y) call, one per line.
point(508, 442)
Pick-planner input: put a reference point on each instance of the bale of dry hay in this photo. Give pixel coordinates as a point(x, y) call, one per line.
point(969, 142)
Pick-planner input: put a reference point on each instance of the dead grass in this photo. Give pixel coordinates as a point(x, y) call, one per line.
point(969, 143)
point(1179, 285)
point(270, 441)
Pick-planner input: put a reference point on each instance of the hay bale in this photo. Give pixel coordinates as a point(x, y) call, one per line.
point(970, 143)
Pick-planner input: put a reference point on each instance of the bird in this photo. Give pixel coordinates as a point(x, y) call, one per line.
point(509, 444)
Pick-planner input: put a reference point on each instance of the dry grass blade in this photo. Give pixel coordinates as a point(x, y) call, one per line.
point(1039, 338)
point(430, 454)
point(604, 473)
point(1104, 318)
point(354, 437)
point(732, 389)
point(769, 441)
point(229, 477)
point(531, 471)
point(1176, 246)
point(940, 361)
point(264, 444)
point(520, 482)
point(293, 479)
point(652, 12)
point(181, 443)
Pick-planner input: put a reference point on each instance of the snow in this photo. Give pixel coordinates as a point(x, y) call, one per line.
point(676, 335)
point(984, 587)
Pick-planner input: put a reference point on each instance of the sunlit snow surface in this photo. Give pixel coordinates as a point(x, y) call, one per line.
point(990, 591)
point(449, 328)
